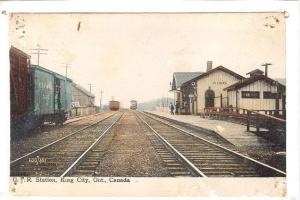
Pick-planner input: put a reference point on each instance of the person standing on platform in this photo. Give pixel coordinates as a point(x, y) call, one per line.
point(172, 109)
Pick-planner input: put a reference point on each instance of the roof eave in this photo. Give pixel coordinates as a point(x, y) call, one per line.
point(217, 68)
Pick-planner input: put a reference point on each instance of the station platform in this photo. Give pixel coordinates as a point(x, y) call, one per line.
point(77, 118)
point(236, 134)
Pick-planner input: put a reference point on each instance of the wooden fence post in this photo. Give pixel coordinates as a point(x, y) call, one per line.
point(221, 100)
point(257, 123)
point(248, 120)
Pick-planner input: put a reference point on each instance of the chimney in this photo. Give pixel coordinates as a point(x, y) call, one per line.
point(209, 65)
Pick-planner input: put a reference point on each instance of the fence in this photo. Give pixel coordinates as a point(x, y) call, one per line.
point(221, 101)
point(274, 119)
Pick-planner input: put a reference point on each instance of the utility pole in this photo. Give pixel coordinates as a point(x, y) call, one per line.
point(39, 51)
point(101, 92)
point(90, 84)
point(66, 66)
point(266, 68)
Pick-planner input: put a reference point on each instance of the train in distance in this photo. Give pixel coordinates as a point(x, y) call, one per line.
point(114, 105)
point(133, 104)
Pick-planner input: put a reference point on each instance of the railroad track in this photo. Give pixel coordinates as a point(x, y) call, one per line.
point(200, 157)
point(175, 165)
point(87, 163)
point(59, 157)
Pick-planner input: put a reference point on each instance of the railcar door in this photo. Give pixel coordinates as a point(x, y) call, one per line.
point(57, 95)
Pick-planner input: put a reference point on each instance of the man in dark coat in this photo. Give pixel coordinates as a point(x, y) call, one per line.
point(172, 109)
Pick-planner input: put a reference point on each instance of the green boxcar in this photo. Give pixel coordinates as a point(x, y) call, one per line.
point(51, 94)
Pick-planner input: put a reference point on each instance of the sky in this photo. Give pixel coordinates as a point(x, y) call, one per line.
point(133, 56)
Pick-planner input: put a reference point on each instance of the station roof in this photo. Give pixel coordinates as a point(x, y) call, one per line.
point(85, 91)
point(213, 70)
point(182, 77)
point(250, 80)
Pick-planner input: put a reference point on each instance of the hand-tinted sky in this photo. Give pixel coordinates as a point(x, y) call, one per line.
point(133, 56)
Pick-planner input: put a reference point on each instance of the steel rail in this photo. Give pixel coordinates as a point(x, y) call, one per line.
point(221, 147)
point(58, 140)
point(187, 161)
point(90, 147)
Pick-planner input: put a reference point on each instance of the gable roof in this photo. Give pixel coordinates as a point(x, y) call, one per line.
point(182, 77)
point(82, 89)
point(250, 80)
point(224, 69)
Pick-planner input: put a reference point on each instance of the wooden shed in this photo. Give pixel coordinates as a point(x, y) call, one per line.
point(257, 92)
point(81, 96)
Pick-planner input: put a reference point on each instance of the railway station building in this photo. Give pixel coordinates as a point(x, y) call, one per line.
point(209, 88)
point(221, 87)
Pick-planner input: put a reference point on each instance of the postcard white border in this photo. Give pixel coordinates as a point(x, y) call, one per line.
point(292, 62)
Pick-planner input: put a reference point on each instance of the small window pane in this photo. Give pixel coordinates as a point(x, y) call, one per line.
point(250, 94)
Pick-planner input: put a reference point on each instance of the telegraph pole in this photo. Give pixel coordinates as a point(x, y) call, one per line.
point(66, 66)
point(101, 92)
point(90, 84)
point(39, 51)
point(266, 68)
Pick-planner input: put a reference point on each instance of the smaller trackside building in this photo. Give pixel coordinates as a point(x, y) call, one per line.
point(257, 93)
point(82, 96)
point(83, 101)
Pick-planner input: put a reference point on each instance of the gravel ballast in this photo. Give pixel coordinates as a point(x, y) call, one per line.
point(130, 153)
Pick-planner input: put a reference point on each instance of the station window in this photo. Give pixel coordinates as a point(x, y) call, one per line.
point(250, 94)
point(271, 95)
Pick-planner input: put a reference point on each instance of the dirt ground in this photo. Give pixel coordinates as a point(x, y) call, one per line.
point(130, 153)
